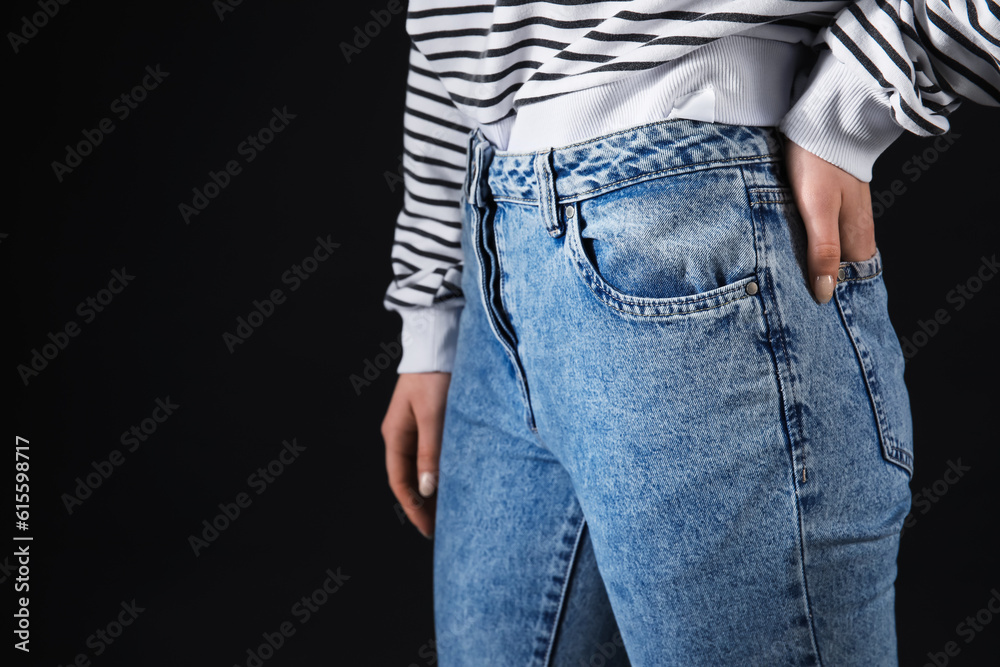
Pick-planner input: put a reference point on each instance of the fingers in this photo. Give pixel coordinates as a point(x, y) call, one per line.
point(412, 431)
point(818, 187)
point(429, 424)
point(399, 431)
point(857, 225)
point(430, 411)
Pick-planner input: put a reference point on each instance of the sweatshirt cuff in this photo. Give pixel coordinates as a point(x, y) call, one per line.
point(429, 339)
point(841, 117)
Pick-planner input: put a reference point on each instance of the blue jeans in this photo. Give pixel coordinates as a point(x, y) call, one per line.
point(658, 449)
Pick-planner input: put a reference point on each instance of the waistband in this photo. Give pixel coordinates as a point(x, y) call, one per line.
point(578, 171)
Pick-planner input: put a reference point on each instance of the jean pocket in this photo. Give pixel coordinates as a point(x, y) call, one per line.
point(668, 245)
point(862, 301)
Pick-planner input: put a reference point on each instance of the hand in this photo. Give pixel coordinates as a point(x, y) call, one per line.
point(412, 430)
point(837, 210)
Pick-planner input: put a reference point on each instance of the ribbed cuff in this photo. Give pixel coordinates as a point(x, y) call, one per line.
point(429, 338)
point(841, 117)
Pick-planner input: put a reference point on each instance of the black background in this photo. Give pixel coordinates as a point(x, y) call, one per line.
point(325, 176)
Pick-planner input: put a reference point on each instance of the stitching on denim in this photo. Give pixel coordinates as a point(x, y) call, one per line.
point(522, 381)
point(753, 228)
point(598, 284)
point(683, 312)
point(872, 387)
point(603, 137)
point(789, 410)
point(862, 278)
point(734, 161)
point(517, 200)
point(786, 194)
point(731, 161)
point(497, 234)
point(495, 326)
point(550, 195)
point(594, 283)
point(565, 588)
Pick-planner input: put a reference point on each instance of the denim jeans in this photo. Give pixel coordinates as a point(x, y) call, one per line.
point(658, 448)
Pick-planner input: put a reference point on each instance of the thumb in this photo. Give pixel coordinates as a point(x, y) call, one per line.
point(821, 215)
point(818, 188)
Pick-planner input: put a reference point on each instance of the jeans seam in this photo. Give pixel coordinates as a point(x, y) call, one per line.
point(886, 437)
point(493, 318)
point(563, 597)
point(786, 394)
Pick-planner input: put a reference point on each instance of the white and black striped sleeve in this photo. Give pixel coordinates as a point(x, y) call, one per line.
point(426, 250)
point(894, 66)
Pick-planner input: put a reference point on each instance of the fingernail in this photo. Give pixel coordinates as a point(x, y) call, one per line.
point(824, 288)
point(428, 482)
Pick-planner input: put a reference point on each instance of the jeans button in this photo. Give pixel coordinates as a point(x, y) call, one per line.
point(751, 288)
point(841, 274)
point(569, 210)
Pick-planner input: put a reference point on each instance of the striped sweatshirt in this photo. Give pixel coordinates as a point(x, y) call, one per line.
point(841, 79)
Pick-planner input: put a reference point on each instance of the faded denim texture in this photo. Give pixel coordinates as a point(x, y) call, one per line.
point(652, 428)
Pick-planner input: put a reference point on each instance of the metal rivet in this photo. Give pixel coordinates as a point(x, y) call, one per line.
point(570, 211)
point(841, 275)
point(751, 288)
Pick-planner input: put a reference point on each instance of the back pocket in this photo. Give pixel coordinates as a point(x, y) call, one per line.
point(667, 245)
point(862, 301)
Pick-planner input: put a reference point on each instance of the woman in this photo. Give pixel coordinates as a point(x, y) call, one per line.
point(650, 394)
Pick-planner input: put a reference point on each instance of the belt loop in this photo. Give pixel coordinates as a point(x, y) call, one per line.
point(547, 193)
point(480, 154)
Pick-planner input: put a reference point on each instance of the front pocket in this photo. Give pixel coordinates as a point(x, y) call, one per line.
point(862, 301)
point(668, 245)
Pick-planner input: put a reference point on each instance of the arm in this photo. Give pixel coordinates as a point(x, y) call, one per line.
point(884, 67)
point(426, 292)
point(426, 251)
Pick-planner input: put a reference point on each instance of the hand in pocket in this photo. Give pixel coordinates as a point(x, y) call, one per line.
point(836, 208)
